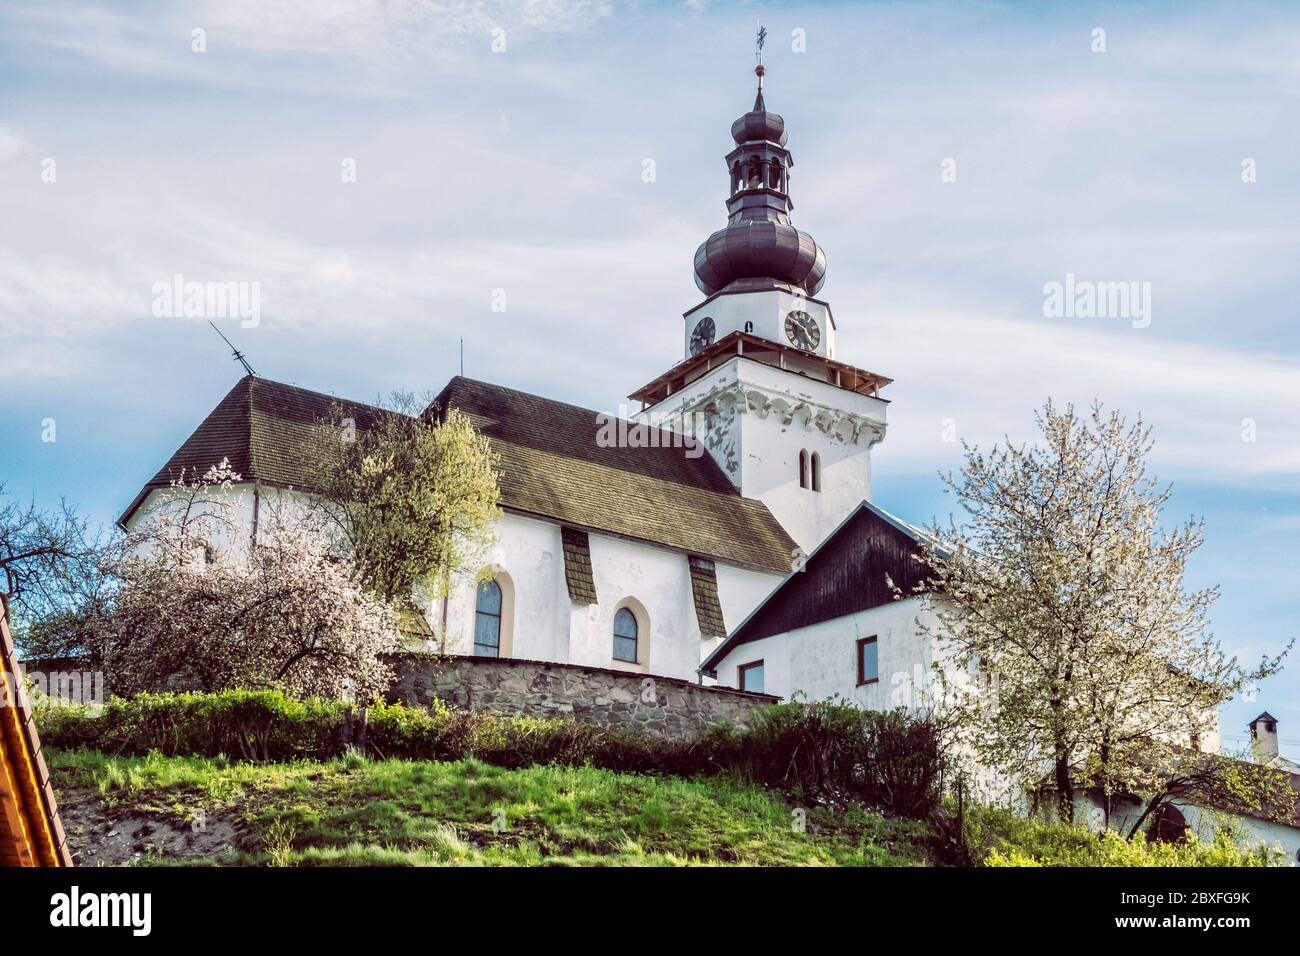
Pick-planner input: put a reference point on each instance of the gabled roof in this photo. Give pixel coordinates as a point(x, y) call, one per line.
point(262, 427)
point(845, 574)
point(553, 466)
point(1264, 716)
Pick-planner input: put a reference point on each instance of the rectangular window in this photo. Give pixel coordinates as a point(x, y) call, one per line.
point(751, 677)
point(868, 661)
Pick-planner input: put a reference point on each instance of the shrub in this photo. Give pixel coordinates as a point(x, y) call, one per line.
point(270, 726)
point(823, 752)
point(1003, 838)
point(247, 724)
point(830, 749)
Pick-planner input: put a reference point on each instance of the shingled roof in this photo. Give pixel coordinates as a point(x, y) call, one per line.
point(551, 466)
point(262, 427)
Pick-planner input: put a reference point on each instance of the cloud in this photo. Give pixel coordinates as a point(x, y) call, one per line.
point(11, 144)
point(348, 47)
point(1217, 414)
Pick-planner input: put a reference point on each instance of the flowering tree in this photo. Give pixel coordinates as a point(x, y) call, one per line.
point(53, 573)
point(1063, 586)
point(197, 609)
point(413, 501)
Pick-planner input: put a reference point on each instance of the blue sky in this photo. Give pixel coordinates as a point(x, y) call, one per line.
point(521, 170)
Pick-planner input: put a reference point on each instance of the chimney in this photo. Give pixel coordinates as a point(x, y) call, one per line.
point(1263, 737)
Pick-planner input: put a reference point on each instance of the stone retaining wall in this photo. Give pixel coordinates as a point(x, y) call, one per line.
point(664, 706)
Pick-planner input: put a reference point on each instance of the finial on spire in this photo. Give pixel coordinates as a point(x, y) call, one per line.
point(759, 69)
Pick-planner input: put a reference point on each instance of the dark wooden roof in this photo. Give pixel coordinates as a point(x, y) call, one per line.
point(844, 575)
point(552, 466)
point(262, 427)
point(577, 566)
point(704, 589)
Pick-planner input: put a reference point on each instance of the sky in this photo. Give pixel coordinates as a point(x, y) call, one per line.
point(397, 177)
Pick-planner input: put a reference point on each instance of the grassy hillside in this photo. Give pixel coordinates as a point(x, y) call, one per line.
point(352, 811)
point(148, 782)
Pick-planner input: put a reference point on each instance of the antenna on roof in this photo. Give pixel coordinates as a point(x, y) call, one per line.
point(239, 356)
point(462, 357)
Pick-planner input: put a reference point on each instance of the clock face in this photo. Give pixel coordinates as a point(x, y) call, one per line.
point(702, 336)
point(802, 331)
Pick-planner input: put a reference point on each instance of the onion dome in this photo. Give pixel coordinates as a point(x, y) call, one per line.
point(758, 241)
point(758, 125)
point(759, 249)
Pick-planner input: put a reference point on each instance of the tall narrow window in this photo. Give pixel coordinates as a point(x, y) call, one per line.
point(815, 472)
point(750, 677)
point(803, 469)
point(868, 661)
point(625, 636)
point(487, 620)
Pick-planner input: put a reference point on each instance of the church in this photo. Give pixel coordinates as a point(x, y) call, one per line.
point(638, 544)
point(723, 534)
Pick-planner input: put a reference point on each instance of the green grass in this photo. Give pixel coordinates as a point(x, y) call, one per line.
point(358, 812)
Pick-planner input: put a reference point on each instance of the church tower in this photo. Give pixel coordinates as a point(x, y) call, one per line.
point(759, 385)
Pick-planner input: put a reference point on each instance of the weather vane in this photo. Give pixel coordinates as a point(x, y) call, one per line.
point(758, 45)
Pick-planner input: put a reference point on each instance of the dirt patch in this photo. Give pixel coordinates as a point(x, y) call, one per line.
point(99, 835)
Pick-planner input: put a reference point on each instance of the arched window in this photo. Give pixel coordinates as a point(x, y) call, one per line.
point(803, 468)
point(755, 173)
point(815, 472)
point(736, 177)
point(487, 620)
point(625, 633)
point(774, 174)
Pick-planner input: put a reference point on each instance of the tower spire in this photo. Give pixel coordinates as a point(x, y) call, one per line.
point(758, 243)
